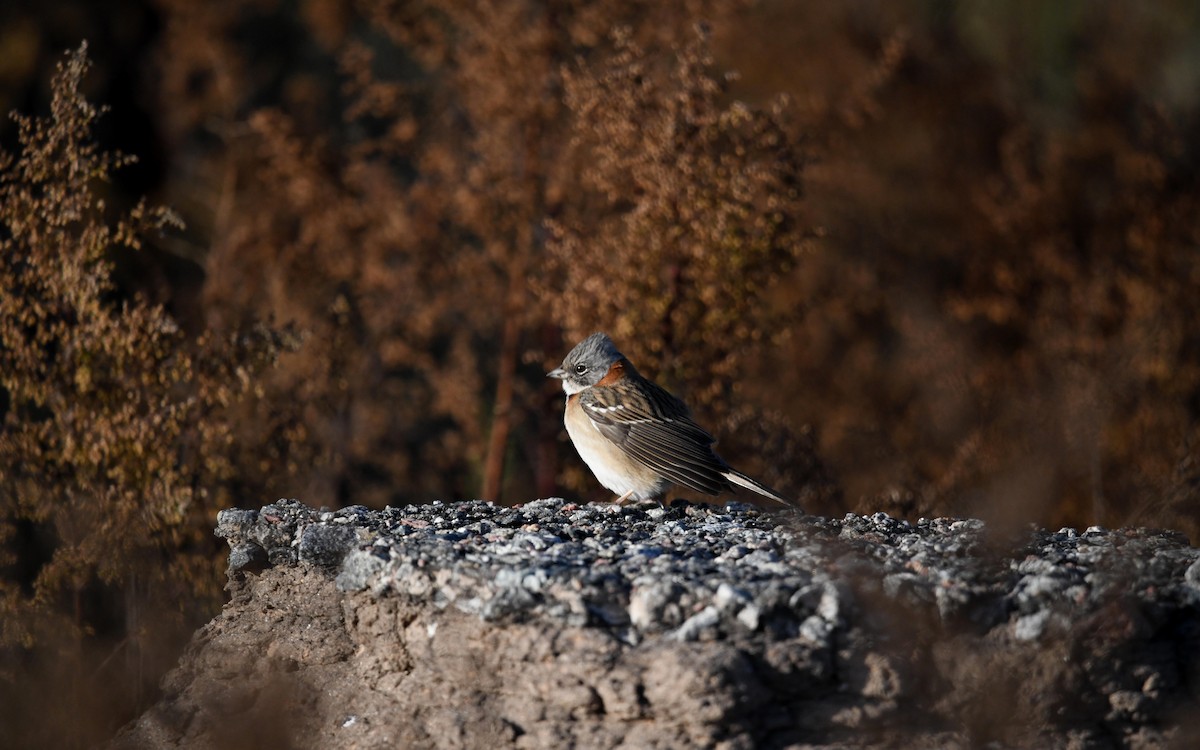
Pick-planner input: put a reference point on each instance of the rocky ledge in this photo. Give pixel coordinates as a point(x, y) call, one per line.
point(591, 626)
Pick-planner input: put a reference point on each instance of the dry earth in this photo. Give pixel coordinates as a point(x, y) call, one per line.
point(552, 625)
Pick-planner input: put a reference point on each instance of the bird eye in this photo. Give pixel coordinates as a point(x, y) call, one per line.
point(580, 369)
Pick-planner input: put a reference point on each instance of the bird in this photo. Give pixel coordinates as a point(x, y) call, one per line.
point(635, 436)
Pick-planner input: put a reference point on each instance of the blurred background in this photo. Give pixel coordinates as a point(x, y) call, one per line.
point(924, 257)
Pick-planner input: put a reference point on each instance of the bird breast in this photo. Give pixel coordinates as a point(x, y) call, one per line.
point(614, 468)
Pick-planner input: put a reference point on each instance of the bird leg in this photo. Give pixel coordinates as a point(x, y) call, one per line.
point(623, 498)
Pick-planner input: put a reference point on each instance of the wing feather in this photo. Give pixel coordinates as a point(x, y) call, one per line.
point(656, 429)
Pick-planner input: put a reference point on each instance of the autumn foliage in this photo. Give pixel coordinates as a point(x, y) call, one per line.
point(114, 443)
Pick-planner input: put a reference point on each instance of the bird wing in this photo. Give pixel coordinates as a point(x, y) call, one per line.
point(655, 428)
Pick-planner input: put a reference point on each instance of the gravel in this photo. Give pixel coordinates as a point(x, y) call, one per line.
point(557, 624)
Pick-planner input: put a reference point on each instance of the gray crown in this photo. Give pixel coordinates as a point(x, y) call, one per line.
point(596, 350)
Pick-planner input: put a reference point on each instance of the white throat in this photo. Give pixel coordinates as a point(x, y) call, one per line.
point(571, 388)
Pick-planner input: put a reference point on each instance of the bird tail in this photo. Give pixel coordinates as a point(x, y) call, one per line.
point(742, 480)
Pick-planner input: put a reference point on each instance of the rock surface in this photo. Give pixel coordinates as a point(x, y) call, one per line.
point(469, 625)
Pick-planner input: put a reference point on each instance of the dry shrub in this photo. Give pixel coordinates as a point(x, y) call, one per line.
point(688, 212)
point(408, 238)
point(994, 305)
point(998, 317)
point(1091, 282)
point(111, 436)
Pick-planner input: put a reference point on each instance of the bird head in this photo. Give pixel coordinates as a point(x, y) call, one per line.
point(587, 363)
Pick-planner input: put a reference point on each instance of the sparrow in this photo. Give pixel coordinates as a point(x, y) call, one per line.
point(637, 438)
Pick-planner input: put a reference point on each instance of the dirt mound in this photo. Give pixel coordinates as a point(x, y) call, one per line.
point(554, 625)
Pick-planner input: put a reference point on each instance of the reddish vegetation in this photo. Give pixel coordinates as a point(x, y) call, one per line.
point(917, 258)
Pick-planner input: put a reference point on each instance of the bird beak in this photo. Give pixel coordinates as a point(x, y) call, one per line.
point(557, 372)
